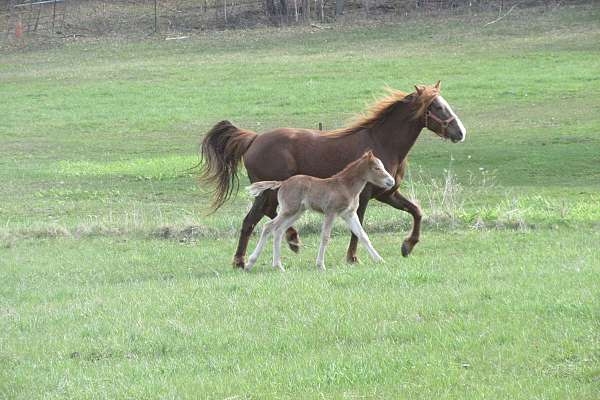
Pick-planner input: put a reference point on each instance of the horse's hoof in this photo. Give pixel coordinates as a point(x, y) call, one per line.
point(406, 248)
point(293, 241)
point(352, 259)
point(294, 246)
point(238, 262)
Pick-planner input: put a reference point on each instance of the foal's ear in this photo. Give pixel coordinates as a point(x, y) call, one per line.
point(438, 85)
point(419, 89)
point(369, 154)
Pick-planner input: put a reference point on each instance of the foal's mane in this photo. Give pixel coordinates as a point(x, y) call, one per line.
point(357, 165)
point(417, 104)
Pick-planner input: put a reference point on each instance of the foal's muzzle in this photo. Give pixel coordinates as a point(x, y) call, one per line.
point(389, 183)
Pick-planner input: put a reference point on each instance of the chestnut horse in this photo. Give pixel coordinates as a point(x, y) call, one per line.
point(390, 129)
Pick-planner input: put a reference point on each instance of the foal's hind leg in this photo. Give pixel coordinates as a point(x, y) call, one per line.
point(288, 218)
point(291, 235)
point(267, 229)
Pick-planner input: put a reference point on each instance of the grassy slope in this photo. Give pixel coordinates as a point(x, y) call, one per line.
point(95, 137)
point(142, 319)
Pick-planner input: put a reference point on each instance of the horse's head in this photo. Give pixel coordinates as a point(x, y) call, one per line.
point(438, 115)
point(376, 173)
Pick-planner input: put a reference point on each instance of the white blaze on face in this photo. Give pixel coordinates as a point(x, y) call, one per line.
point(462, 128)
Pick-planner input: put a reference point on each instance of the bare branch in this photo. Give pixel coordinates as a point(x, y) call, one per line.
point(502, 16)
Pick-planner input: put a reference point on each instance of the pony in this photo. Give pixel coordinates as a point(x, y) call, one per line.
point(390, 128)
point(334, 196)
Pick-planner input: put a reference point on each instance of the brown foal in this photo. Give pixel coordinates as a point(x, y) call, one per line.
point(390, 129)
point(334, 196)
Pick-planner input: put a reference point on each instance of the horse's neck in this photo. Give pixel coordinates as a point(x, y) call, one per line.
point(396, 135)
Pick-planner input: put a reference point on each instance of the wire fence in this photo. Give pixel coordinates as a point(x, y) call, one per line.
point(20, 18)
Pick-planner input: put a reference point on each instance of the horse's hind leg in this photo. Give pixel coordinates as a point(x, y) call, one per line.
point(400, 202)
point(252, 218)
point(293, 239)
point(291, 235)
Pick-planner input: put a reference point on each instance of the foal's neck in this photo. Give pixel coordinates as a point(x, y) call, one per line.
point(354, 176)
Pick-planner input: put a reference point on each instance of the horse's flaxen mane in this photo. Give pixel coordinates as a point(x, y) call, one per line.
point(383, 107)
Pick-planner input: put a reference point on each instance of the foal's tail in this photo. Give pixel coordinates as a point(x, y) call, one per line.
point(258, 187)
point(221, 150)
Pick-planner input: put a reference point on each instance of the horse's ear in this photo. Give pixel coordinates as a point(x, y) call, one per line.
point(438, 85)
point(419, 89)
point(368, 154)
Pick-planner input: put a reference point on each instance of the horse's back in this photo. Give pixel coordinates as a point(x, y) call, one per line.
point(284, 152)
point(273, 154)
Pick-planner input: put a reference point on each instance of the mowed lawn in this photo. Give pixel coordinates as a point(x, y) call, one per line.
point(116, 284)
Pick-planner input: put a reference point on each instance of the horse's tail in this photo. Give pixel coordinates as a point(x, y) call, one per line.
point(258, 187)
point(221, 150)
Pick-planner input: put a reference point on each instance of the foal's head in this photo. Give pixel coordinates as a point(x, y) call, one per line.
point(439, 116)
point(376, 173)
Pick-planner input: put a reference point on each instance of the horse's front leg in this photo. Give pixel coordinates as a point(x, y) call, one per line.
point(396, 200)
point(365, 196)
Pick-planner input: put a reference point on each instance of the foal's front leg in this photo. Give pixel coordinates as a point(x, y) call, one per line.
point(360, 211)
point(325, 234)
point(356, 228)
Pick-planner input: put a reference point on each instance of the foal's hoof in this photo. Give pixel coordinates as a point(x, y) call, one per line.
point(238, 262)
point(352, 259)
point(407, 247)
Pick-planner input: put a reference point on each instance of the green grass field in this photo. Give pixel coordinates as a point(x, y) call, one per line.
point(116, 284)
